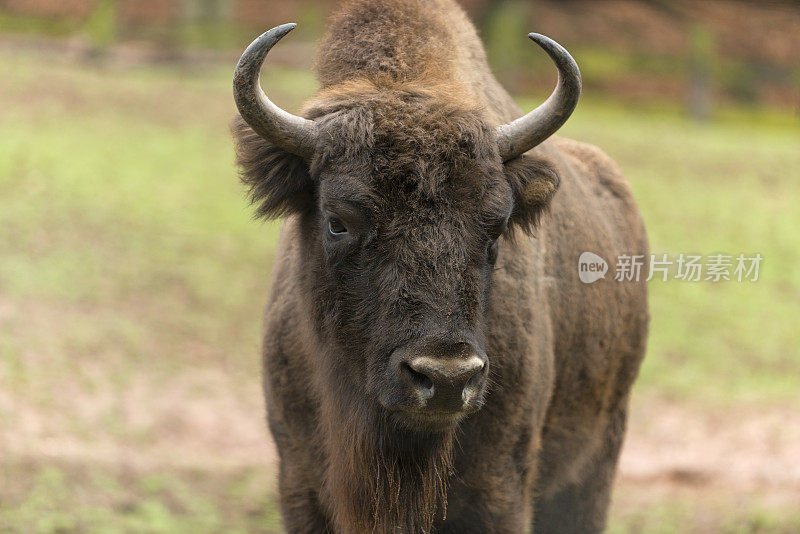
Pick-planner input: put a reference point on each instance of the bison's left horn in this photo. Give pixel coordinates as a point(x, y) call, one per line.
point(526, 132)
point(290, 132)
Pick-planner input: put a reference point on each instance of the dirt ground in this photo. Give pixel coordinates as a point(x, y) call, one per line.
point(753, 449)
point(707, 458)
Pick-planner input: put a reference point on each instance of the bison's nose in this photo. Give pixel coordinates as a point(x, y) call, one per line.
point(446, 385)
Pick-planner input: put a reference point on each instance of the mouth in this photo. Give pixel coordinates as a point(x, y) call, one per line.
point(429, 420)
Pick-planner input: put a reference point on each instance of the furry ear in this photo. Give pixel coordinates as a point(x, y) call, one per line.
point(534, 182)
point(279, 182)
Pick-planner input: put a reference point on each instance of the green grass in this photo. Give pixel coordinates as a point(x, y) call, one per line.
point(132, 279)
point(78, 499)
point(700, 511)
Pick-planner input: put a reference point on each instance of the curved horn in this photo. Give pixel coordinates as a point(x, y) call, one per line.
point(523, 134)
point(290, 132)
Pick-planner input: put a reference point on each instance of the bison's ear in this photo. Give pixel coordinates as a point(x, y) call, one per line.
point(534, 181)
point(279, 182)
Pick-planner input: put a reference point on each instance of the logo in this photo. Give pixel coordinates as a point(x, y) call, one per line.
point(591, 267)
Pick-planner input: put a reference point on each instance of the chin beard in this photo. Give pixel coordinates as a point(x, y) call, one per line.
point(384, 477)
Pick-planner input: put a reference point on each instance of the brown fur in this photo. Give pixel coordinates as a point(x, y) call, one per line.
point(407, 157)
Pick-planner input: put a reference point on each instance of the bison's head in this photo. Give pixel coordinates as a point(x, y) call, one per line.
point(404, 193)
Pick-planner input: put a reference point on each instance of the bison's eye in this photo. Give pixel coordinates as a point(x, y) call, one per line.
point(336, 226)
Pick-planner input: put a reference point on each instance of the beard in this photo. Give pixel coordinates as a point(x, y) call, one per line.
point(383, 476)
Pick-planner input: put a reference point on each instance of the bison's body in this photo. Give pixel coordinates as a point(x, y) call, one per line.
point(405, 87)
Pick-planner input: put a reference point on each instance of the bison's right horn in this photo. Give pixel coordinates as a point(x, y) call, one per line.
point(290, 132)
point(526, 132)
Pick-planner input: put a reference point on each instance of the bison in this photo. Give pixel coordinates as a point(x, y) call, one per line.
point(432, 361)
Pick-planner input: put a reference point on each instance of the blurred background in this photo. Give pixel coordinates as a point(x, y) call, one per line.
point(132, 277)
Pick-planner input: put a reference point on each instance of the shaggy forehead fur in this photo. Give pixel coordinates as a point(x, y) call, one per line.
point(406, 143)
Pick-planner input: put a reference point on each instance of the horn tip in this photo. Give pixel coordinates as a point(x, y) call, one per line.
point(541, 40)
point(277, 33)
point(283, 29)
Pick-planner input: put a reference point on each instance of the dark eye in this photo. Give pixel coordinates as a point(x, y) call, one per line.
point(336, 227)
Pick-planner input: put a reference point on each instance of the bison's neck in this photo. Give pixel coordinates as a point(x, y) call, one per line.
point(424, 41)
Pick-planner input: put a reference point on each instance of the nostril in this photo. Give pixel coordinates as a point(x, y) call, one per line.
point(475, 378)
point(421, 380)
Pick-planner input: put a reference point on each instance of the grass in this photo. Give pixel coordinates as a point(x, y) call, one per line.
point(98, 499)
point(132, 279)
point(639, 509)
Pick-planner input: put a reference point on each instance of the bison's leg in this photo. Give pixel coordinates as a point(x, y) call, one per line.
point(582, 507)
point(480, 520)
point(490, 492)
point(299, 504)
point(299, 475)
